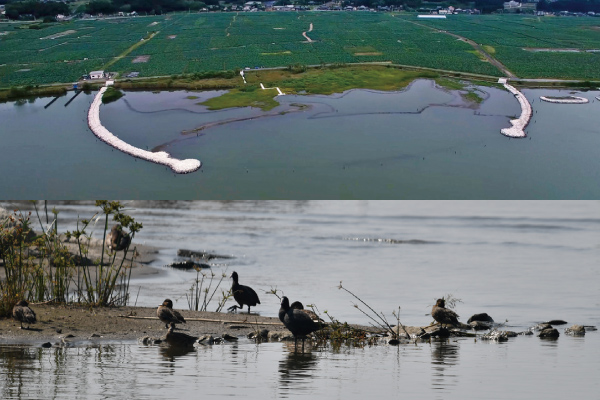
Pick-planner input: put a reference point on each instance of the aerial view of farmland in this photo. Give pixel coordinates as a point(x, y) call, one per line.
point(185, 43)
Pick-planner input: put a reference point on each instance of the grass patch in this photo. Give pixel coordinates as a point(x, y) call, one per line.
point(472, 97)
point(450, 84)
point(247, 96)
point(191, 97)
point(489, 49)
point(338, 80)
point(278, 53)
point(111, 94)
point(478, 54)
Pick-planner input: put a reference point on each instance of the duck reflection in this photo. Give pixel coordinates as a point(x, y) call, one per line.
point(444, 356)
point(296, 369)
point(170, 353)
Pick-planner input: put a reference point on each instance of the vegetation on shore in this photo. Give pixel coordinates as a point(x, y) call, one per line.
point(39, 267)
point(111, 94)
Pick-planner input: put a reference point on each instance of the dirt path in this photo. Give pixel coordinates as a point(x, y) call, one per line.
point(475, 46)
point(310, 28)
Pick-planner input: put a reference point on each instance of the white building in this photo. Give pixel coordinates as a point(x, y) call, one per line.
point(97, 75)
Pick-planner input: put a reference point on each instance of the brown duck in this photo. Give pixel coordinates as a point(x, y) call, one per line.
point(22, 313)
point(444, 316)
point(166, 314)
point(117, 239)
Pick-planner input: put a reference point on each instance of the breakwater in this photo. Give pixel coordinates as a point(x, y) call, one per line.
point(517, 130)
point(160, 157)
point(565, 100)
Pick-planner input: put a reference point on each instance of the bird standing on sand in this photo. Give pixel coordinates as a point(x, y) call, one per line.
point(444, 316)
point(297, 321)
point(117, 239)
point(22, 313)
point(244, 295)
point(179, 339)
point(166, 314)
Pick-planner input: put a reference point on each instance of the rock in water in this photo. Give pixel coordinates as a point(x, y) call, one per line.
point(549, 333)
point(575, 330)
point(483, 317)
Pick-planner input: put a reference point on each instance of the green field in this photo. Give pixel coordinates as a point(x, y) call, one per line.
point(189, 43)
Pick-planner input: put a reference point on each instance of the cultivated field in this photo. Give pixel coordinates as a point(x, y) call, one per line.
point(187, 43)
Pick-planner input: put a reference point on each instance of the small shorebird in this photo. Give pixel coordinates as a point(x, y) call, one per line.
point(117, 239)
point(297, 321)
point(444, 316)
point(244, 295)
point(22, 313)
point(166, 314)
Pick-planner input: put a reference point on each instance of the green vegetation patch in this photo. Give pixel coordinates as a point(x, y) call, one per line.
point(247, 96)
point(473, 97)
point(111, 94)
point(278, 53)
point(338, 80)
point(450, 84)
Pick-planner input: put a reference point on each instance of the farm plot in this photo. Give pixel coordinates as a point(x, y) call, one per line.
point(511, 36)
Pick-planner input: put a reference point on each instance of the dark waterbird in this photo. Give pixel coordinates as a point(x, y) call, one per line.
point(117, 239)
point(444, 316)
point(299, 306)
point(244, 295)
point(297, 321)
point(22, 313)
point(166, 314)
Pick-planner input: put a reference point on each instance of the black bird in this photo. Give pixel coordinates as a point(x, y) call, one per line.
point(299, 306)
point(166, 314)
point(117, 239)
point(179, 339)
point(441, 314)
point(22, 313)
point(244, 295)
point(297, 321)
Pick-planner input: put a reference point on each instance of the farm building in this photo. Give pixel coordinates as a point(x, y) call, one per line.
point(97, 75)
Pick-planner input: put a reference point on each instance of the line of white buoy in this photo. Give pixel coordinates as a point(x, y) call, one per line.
point(566, 100)
point(517, 130)
point(160, 157)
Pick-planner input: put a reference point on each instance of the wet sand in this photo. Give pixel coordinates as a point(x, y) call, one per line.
point(96, 325)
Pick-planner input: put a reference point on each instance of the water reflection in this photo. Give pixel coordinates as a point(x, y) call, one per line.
point(444, 357)
point(296, 370)
point(170, 353)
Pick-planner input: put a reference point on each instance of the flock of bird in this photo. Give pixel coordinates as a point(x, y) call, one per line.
point(298, 321)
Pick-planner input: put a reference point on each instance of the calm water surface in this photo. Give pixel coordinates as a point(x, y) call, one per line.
point(420, 143)
point(521, 262)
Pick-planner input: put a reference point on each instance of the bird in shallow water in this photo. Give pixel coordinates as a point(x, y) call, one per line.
point(244, 295)
point(22, 313)
point(166, 314)
point(297, 321)
point(117, 239)
point(299, 306)
point(179, 339)
point(444, 316)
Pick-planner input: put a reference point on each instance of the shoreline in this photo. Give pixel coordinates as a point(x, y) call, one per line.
point(73, 325)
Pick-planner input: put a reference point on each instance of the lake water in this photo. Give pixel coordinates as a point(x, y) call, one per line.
point(422, 143)
point(521, 262)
